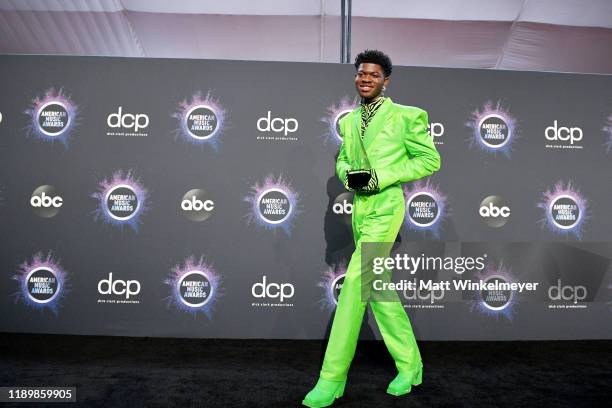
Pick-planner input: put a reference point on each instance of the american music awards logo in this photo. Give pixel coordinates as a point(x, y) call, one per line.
point(333, 279)
point(195, 287)
point(273, 204)
point(426, 207)
point(201, 120)
point(52, 117)
point(565, 210)
point(122, 200)
point(494, 129)
point(334, 113)
point(42, 282)
point(495, 302)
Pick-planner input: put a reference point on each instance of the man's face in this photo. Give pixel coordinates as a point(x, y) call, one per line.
point(369, 80)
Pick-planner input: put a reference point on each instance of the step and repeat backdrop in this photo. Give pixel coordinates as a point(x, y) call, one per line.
point(190, 198)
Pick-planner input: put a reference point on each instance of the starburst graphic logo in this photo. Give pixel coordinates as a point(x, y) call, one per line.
point(334, 113)
point(42, 282)
point(565, 210)
point(333, 279)
point(274, 204)
point(53, 117)
point(194, 286)
point(121, 200)
point(426, 207)
point(201, 121)
point(495, 300)
point(494, 129)
point(608, 129)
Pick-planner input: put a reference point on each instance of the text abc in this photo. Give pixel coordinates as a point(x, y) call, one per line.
point(272, 290)
point(491, 210)
point(286, 125)
point(46, 201)
point(197, 205)
point(573, 134)
point(343, 208)
point(118, 287)
point(128, 120)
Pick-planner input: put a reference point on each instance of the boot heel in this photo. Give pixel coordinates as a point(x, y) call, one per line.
point(340, 390)
point(418, 378)
point(324, 393)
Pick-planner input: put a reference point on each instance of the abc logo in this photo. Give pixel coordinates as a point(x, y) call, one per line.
point(343, 207)
point(118, 287)
point(272, 290)
point(267, 124)
point(196, 205)
point(554, 132)
point(128, 121)
point(436, 129)
point(45, 201)
point(494, 212)
point(573, 293)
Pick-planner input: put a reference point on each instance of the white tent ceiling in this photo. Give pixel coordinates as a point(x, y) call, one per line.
point(557, 35)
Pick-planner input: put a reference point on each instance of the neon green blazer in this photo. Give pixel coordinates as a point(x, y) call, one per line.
point(398, 146)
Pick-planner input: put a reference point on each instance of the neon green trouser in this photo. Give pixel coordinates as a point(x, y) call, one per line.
point(376, 218)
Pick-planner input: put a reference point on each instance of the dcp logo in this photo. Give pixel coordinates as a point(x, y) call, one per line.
point(118, 287)
point(46, 201)
point(272, 290)
point(127, 120)
point(571, 293)
point(196, 205)
point(436, 129)
point(563, 133)
point(277, 125)
point(494, 212)
point(431, 296)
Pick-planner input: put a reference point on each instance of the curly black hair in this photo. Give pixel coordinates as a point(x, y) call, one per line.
point(375, 57)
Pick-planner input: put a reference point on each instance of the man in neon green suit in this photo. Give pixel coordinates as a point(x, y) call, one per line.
point(387, 144)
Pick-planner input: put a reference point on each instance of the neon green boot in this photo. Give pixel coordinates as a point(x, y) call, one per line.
point(324, 393)
point(403, 382)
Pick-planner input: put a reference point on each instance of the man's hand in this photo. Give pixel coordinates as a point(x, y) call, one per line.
point(346, 182)
point(362, 181)
point(372, 186)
